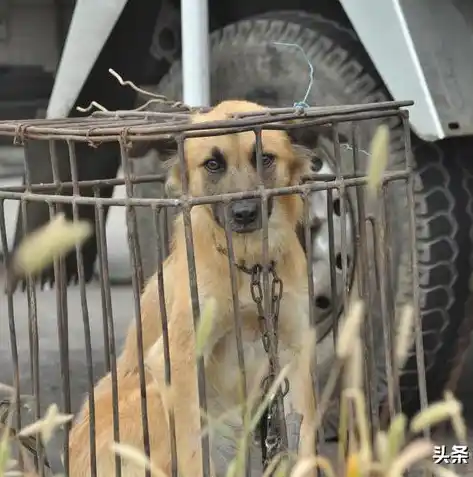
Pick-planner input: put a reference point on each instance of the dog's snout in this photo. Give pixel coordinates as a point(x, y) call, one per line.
point(245, 212)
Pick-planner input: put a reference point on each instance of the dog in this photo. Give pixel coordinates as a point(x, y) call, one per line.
point(215, 165)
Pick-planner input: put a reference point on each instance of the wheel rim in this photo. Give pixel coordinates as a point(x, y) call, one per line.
point(325, 310)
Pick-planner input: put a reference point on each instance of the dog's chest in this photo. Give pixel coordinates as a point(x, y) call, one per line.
point(225, 366)
point(224, 395)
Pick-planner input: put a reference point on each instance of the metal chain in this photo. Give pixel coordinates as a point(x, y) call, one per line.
point(270, 434)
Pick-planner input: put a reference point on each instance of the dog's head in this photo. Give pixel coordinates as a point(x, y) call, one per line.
point(228, 163)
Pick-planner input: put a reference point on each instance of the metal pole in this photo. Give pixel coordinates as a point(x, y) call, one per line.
point(195, 52)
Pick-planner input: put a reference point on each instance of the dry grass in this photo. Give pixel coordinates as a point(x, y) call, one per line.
point(389, 454)
point(54, 240)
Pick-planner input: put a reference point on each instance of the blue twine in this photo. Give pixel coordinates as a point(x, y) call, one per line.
point(302, 104)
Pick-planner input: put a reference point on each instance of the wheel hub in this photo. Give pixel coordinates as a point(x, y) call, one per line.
point(325, 309)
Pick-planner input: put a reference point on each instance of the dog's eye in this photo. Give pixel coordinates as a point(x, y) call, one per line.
point(268, 159)
point(215, 164)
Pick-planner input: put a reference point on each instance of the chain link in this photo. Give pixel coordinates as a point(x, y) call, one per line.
point(270, 434)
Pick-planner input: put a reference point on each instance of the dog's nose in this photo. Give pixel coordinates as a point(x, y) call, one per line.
point(245, 212)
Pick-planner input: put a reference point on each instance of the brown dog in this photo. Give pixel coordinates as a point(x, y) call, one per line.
point(218, 164)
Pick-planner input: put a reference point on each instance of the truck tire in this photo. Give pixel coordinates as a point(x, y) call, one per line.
point(245, 63)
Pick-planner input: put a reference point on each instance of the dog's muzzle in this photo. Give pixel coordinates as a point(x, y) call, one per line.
point(244, 215)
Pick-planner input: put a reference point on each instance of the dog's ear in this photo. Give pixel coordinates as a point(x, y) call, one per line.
point(167, 150)
point(141, 148)
point(304, 133)
point(302, 164)
point(165, 146)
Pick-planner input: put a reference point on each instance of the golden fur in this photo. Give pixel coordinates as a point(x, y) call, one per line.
point(213, 279)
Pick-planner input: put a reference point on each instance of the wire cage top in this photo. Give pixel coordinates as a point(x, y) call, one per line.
point(102, 126)
point(132, 128)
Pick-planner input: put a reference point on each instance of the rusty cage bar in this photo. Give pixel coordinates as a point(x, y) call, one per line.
point(369, 268)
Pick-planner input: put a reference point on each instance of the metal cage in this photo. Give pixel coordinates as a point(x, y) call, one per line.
point(371, 270)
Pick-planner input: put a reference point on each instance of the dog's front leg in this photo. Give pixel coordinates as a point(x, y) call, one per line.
point(301, 408)
point(182, 396)
point(307, 430)
point(300, 403)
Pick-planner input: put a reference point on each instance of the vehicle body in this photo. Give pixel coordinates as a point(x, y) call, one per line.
point(401, 50)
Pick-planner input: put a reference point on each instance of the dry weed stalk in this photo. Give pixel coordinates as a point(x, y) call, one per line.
point(39, 248)
point(378, 159)
point(404, 335)
point(156, 98)
point(136, 457)
point(44, 427)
